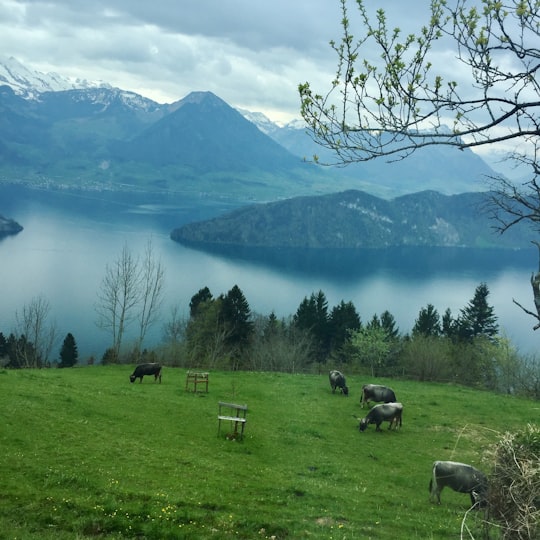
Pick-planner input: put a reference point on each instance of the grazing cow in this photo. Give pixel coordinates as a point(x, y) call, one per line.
point(391, 412)
point(146, 369)
point(460, 477)
point(337, 380)
point(376, 392)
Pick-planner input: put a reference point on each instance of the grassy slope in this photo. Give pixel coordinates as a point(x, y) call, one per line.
point(86, 453)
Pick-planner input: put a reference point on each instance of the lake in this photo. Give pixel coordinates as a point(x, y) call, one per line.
point(69, 238)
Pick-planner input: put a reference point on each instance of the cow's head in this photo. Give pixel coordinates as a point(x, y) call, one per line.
point(363, 424)
point(479, 498)
point(132, 378)
point(345, 390)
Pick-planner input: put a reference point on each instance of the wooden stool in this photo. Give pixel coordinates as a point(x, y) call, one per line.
point(194, 378)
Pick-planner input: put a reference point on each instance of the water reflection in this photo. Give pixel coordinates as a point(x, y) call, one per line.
point(68, 240)
point(353, 264)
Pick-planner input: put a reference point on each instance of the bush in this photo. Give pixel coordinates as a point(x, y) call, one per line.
point(109, 357)
point(427, 358)
point(514, 493)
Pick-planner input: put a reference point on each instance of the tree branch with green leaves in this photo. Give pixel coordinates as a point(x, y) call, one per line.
point(387, 100)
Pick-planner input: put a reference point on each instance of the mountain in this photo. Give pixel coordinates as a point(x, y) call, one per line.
point(355, 219)
point(462, 172)
point(80, 134)
point(30, 83)
point(207, 135)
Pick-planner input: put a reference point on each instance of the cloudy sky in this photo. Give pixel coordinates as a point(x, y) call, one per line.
point(251, 53)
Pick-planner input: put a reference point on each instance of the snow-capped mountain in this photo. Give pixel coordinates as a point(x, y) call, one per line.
point(29, 83)
point(261, 121)
point(141, 141)
point(267, 126)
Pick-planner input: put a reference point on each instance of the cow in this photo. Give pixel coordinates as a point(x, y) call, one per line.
point(146, 369)
point(337, 380)
point(376, 392)
point(391, 412)
point(460, 477)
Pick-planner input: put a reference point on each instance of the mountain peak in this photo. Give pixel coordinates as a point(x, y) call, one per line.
point(201, 97)
point(29, 83)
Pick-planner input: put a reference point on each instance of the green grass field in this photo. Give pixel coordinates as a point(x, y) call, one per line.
point(86, 454)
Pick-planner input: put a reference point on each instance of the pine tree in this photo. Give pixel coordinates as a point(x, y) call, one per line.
point(3, 345)
point(343, 319)
point(236, 318)
point(68, 353)
point(312, 315)
point(204, 295)
point(448, 324)
point(477, 318)
point(389, 325)
point(428, 322)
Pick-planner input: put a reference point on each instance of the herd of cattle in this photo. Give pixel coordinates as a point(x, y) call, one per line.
point(460, 477)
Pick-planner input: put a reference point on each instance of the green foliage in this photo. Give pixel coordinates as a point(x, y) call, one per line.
point(335, 221)
point(477, 362)
point(20, 352)
point(389, 325)
point(343, 318)
point(371, 349)
point(69, 353)
point(478, 318)
point(312, 316)
point(386, 98)
point(235, 316)
point(110, 356)
point(145, 461)
point(428, 322)
point(427, 358)
point(280, 346)
point(205, 336)
point(203, 295)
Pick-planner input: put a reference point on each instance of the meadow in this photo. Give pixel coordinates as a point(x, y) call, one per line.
point(86, 454)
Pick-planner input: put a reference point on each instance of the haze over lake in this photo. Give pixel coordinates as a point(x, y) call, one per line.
point(69, 238)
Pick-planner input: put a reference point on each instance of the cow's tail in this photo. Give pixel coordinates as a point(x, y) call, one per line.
point(433, 482)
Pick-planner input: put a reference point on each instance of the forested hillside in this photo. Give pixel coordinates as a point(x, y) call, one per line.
point(354, 219)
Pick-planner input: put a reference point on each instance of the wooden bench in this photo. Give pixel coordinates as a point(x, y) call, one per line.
point(194, 378)
point(236, 415)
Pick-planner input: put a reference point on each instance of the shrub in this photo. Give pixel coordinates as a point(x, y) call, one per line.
point(514, 494)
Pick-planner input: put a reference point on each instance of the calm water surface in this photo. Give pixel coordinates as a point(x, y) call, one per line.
point(68, 240)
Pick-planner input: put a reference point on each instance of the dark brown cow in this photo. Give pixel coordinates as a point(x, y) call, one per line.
point(146, 369)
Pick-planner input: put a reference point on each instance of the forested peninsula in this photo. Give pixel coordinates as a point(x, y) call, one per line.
point(9, 226)
point(355, 219)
